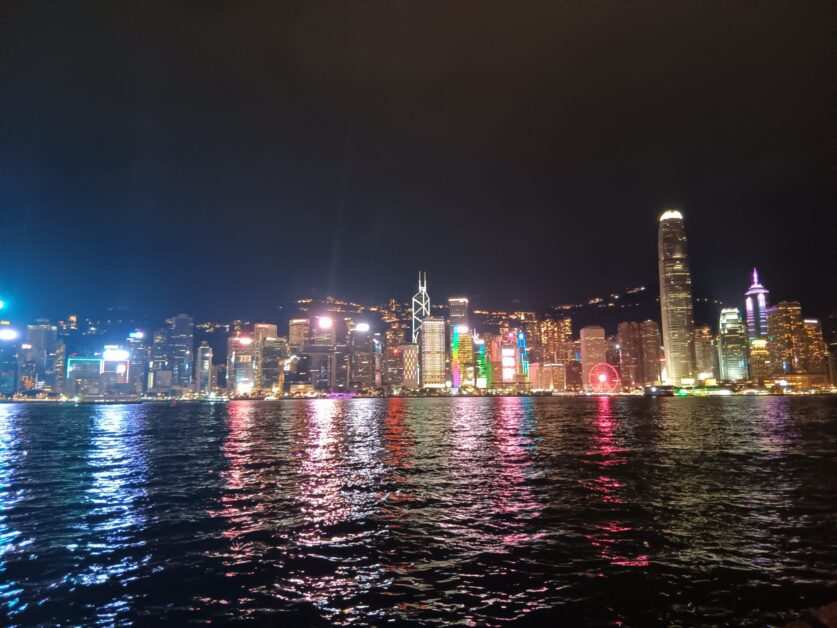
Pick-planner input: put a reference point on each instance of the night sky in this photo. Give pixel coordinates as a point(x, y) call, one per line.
point(223, 158)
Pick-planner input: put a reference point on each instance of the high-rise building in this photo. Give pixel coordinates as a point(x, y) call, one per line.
point(139, 350)
point(676, 299)
point(361, 358)
point(432, 352)
point(298, 333)
point(203, 369)
point(458, 312)
point(732, 345)
point(410, 358)
point(652, 355)
point(759, 360)
point(706, 354)
point(83, 377)
point(816, 351)
point(593, 351)
point(159, 372)
point(264, 330)
point(421, 306)
point(181, 345)
point(786, 338)
point(242, 364)
point(44, 348)
point(630, 354)
point(274, 352)
point(756, 308)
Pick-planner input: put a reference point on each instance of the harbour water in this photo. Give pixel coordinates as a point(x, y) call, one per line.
point(471, 510)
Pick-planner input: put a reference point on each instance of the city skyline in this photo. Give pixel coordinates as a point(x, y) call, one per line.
point(335, 347)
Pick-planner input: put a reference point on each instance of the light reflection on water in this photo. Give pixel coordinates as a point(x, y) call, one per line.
point(479, 511)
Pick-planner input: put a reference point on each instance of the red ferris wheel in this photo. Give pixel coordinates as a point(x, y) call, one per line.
point(603, 378)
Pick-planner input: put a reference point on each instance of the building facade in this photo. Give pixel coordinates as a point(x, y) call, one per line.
point(676, 299)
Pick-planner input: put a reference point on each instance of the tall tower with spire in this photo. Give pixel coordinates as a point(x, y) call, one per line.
point(756, 305)
point(421, 305)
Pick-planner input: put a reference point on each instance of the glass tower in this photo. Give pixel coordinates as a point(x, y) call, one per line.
point(756, 305)
point(676, 299)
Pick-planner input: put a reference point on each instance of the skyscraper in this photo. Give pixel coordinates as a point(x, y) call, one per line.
point(264, 330)
point(649, 333)
point(630, 354)
point(593, 351)
point(458, 311)
point(732, 345)
point(786, 338)
point(706, 355)
point(242, 364)
point(816, 351)
point(181, 345)
point(297, 333)
point(676, 299)
point(203, 369)
point(432, 352)
point(421, 306)
point(756, 307)
point(410, 366)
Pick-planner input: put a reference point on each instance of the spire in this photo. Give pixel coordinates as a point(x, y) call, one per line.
point(755, 277)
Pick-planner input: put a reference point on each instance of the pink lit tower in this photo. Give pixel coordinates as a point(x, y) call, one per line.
point(756, 303)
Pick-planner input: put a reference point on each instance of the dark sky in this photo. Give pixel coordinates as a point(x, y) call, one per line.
point(225, 157)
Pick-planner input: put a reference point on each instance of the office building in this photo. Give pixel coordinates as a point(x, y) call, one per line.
point(421, 306)
point(432, 352)
point(593, 351)
point(755, 301)
point(652, 352)
point(410, 365)
point(203, 372)
point(242, 365)
point(297, 334)
point(676, 299)
point(759, 361)
point(630, 354)
point(458, 312)
point(181, 344)
point(732, 345)
point(706, 353)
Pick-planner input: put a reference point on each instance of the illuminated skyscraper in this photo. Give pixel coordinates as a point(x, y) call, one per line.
point(458, 311)
point(297, 333)
point(421, 306)
point(593, 351)
point(732, 345)
point(274, 352)
point(759, 360)
point(242, 364)
point(706, 355)
point(786, 338)
point(361, 358)
point(264, 330)
point(652, 359)
point(676, 299)
point(816, 351)
point(432, 351)
point(181, 345)
point(203, 369)
point(630, 354)
point(756, 306)
point(410, 365)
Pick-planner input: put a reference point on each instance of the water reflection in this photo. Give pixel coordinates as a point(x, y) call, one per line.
point(10, 591)
point(613, 538)
point(511, 492)
point(113, 549)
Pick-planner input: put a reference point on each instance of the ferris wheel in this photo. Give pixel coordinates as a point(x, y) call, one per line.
point(603, 378)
